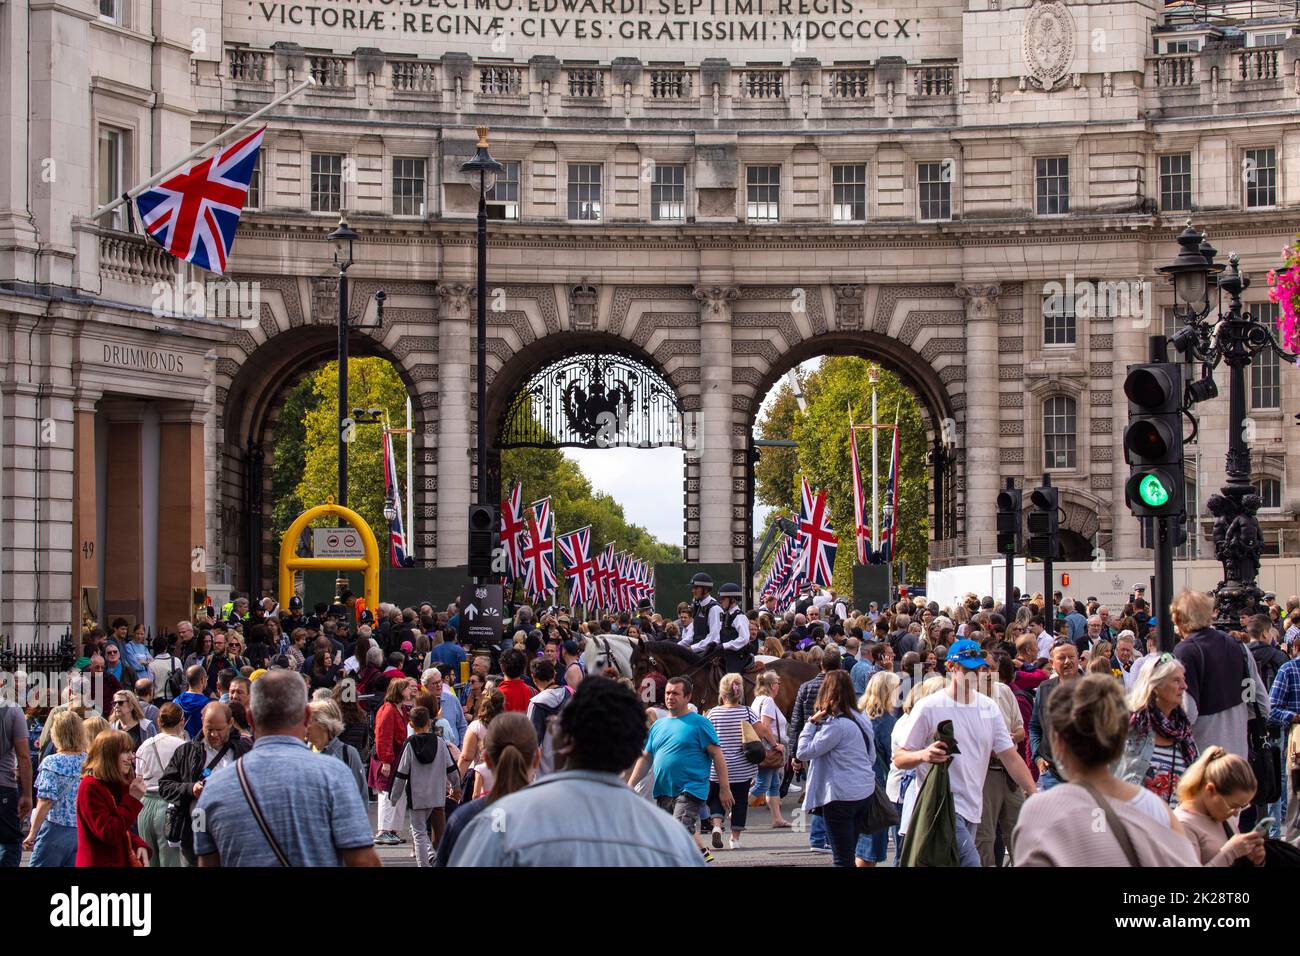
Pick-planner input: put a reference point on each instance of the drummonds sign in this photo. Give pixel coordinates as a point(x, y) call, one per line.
point(682, 30)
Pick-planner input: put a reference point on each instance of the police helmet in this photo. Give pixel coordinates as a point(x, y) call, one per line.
point(730, 590)
point(702, 580)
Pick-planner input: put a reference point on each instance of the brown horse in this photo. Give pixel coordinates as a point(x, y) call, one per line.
point(673, 660)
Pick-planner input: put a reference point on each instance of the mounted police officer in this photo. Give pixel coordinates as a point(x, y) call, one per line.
point(736, 652)
point(704, 632)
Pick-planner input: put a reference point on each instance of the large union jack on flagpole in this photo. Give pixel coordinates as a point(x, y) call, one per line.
point(817, 542)
point(512, 531)
point(575, 552)
point(539, 552)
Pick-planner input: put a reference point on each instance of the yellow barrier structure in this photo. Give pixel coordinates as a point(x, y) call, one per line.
point(291, 562)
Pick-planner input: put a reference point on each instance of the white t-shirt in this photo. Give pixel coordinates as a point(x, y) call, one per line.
point(980, 731)
point(766, 707)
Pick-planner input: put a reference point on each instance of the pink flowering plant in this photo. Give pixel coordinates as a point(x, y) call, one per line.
point(1284, 289)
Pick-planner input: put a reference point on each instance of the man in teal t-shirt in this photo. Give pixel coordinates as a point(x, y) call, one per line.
point(682, 747)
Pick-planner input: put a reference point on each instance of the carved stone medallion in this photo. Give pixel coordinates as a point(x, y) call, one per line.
point(1048, 43)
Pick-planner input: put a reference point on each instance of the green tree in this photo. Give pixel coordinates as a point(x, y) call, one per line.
point(290, 458)
point(840, 384)
point(372, 383)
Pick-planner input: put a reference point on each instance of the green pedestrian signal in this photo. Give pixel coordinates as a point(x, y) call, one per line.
point(1152, 491)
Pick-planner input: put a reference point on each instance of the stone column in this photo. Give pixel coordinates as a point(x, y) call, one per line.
point(715, 434)
point(181, 502)
point(85, 540)
point(455, 414)
point(123, 544)
point(981, 435)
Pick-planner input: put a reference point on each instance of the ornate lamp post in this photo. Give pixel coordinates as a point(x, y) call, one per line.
point(488, 169)
point(1235, 337)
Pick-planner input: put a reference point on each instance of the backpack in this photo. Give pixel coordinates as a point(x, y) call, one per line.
point(543, 717)
point(175, 685)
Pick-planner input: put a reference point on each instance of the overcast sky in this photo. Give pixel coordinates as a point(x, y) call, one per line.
point(647, 482)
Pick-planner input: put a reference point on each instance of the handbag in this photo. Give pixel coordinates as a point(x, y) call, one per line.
point(750, 744)
point(879, 813)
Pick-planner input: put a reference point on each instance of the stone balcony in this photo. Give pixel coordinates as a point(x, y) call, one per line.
point(1225, 77)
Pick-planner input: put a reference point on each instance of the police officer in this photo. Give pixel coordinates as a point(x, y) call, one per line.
point(704, 632)
point(734, 634)
point(294, 617)
point(644, 614)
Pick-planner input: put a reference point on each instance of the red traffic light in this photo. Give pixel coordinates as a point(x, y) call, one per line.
point(1150, 438)
point(1152, 387)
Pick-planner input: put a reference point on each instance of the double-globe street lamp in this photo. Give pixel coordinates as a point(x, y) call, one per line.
point(1233, 337)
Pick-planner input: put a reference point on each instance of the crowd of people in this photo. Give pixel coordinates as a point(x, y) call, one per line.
point(990, 736)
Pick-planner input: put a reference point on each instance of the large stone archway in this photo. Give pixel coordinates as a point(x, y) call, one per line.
point(295, 333)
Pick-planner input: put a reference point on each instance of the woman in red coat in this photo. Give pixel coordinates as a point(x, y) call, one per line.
point(390, 738)
point(108, 801)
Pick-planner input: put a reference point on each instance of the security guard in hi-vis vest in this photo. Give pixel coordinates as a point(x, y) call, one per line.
point(704, 632)
point(736, 656)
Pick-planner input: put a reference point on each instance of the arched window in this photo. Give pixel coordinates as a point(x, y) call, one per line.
point(1059, 432)
point(1270, 493)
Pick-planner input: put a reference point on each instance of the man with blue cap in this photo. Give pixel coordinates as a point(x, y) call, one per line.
point(979, 730)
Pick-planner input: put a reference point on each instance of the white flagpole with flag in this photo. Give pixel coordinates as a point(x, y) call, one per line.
point(200, 150)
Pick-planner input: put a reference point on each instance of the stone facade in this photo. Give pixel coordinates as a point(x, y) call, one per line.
point(776, 180)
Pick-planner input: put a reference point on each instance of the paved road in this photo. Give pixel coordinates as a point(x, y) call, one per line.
point(761, 845)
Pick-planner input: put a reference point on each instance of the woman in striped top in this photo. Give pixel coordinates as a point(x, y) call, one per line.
point(727, 719)
point(1160, 746)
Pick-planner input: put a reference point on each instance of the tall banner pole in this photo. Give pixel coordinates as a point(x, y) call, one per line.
point(875, 479)
point(410, 482)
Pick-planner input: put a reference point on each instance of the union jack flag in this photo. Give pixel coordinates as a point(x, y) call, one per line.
point(861, 533)
point(817, 542)
point(579, 568)
point(891, 495)
point(776, 573)
point(396, 534)
point(602, 574)
point(539, 552)
point(629, 584)
point(795, 576)
point(194, 214)
point(512, 531)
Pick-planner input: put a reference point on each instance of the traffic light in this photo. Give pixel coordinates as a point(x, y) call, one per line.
point(1045, 523)
point(1153, 440)
point(484, 539)
point(1009, 521)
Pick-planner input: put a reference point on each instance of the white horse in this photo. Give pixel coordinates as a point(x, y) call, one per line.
point(609, 651)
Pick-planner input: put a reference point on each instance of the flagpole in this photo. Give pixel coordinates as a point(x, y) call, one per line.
point(874, 374)
point(410, 482)
point(153, 181)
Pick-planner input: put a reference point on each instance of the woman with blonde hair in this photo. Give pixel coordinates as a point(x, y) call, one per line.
point(879, 704)
point(93, 725)
point(471, 755)
point(128, 716)
point(727, 719)
point(1160, 745)
point(772, 647)
point(1213, 791)
point(771, 727)
point(108, 804)
point(52, 837)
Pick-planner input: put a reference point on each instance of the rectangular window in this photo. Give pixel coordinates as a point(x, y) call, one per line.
point(254, 198)
point(1267, 39)
point(112, 172)
point(1059, 324)
point(110, 10)
point(1176, 182)
point(326, 182)
point(408, 187)
point(934, 190)
point(763, 193)
point(849, 193)
point(668, 194)
point(1183, 46)
point(1052, 185)
point(503, 197)
point(584, 191)
point(1058, 432)
point(1259, 171)
point(1265, 371)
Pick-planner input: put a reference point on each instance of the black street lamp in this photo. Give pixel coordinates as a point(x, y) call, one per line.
point(1235, 337)
point(343, 239)
point(488, 169)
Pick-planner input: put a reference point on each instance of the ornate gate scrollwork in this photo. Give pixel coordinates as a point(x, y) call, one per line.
point(593, 401)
